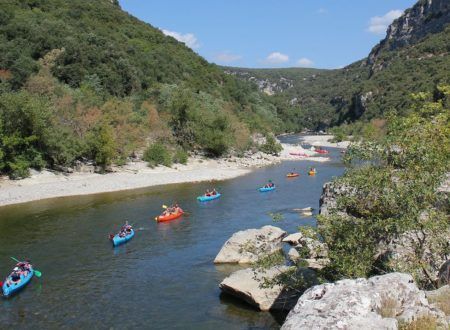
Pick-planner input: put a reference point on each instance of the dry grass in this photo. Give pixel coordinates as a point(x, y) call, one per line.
point(442, 301)
point(389, 307)
point(422, 323)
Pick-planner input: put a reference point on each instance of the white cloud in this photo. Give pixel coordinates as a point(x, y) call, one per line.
point(379, 24)
point(276, 58)
point(189, 39)
point(322, 11)
point(305, 62)
point(227, 57)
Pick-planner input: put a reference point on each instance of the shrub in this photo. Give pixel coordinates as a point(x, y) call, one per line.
point(157, 154)
point(338, 134)
point(103, 145)
point(180, 156)
point(271, 146)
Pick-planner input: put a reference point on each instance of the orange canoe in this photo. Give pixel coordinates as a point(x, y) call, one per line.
point(169, 217)
point(292, 175)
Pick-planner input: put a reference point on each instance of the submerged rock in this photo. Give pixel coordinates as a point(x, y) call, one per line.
point(248, 246)
point(380, 302)
point(245, 284)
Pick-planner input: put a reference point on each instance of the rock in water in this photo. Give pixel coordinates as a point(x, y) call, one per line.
point(376, 303)
point(248, 246)
point(245, 284)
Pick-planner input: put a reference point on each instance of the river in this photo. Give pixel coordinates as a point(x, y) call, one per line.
point(162, 279)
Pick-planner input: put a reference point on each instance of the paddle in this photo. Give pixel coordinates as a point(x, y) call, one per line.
point(36, 272)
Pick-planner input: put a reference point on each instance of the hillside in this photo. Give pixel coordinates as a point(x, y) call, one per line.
point(414, 57)
point(84, 80)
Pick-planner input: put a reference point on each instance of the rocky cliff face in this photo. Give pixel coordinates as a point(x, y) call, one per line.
point(424, 18)
point(265, 85)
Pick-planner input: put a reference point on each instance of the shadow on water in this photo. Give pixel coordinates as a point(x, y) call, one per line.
point(165, 276)
point(237, 306)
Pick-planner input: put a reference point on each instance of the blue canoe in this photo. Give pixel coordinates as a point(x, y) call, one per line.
point(13, 287)
point(262, 189)
point(208, 198)
point(117, 240)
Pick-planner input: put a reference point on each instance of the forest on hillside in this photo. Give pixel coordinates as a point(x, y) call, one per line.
point(83, 80)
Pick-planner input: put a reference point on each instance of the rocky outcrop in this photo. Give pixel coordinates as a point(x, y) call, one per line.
point(330, 193)
point(403, 250)
point(381, 302)
point(307, 250)
point(248, 246)
point(424, 18)
point(268, 86)
point(246, 284)
point(360, 104)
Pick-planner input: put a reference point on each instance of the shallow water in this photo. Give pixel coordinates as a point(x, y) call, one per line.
point(164, 277)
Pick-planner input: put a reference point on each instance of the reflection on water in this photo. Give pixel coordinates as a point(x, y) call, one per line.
point(164, 277)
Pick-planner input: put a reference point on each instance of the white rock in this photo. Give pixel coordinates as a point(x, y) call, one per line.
point(293, 254)
point(360, 303)
point(245, 284)
point(248, 246)
point(293, 239)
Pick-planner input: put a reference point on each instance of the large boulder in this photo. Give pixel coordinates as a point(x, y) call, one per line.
point(248, 246)
point(246, 284)
point(381, 302)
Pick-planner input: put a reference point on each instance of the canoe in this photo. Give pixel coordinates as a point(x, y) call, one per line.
point(293, 175)
point(262, 189)
point(169, 217)
point(117, 240)
point(322, 151)
point(208, 198)
point(298, 154)
point(312, 173)
point(8, 290)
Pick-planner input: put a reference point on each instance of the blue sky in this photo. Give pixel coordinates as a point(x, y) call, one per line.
point(273, 33)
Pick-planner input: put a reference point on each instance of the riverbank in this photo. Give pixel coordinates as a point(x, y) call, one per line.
point(323, 141)
point(51, 184)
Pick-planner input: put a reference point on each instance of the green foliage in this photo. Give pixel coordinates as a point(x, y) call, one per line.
point(102, 144)
point(339, 134)
point(271, 146)
point(276, 217)
point(394, 184)
point(319, 99)
point(23, 133)
point(157, 154)
point(180, 157)
point(96, 84)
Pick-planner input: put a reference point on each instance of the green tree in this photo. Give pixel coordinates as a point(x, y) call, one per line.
point(103, 145)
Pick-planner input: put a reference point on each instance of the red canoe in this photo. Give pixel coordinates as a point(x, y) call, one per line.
point(169, 217)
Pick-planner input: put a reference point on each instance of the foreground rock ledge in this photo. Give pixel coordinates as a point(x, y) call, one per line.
point(248, 246)
point(245, 284)
point(380, 302)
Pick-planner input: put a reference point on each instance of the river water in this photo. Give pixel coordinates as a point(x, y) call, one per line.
point(163, 278)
